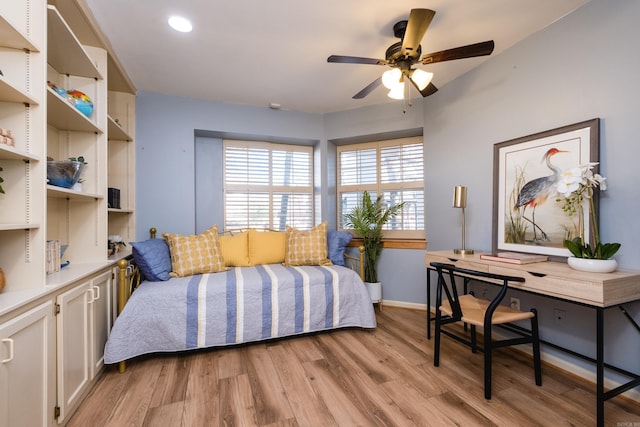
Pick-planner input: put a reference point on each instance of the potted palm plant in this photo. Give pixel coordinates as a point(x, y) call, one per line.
point(367, 221)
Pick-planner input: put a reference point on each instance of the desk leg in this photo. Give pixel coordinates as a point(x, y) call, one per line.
point(600, 366)
point(428, 304)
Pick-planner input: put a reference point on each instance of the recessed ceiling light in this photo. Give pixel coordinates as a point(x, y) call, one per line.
point(181, 24)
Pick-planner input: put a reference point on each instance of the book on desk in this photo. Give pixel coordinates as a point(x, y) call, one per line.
point(514, 257)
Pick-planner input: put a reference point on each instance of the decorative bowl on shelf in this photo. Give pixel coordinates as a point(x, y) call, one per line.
point(64, 173)
point(81, 101)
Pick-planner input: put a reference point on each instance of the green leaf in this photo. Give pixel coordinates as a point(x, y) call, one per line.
point(607, 250)
point(575, 247)
point(600, 251)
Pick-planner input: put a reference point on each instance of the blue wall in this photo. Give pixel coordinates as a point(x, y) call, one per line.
point(165, 157)
point(583, 66)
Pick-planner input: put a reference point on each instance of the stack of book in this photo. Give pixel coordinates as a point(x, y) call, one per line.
point(53, 256)
point(514, 257)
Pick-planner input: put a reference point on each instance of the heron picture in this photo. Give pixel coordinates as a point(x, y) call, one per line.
point(527, 214)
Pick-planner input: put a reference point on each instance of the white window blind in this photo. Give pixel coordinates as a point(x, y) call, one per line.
point(393, 168)
point(267, 185)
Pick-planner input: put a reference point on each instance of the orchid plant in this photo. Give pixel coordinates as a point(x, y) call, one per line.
point(576, 185)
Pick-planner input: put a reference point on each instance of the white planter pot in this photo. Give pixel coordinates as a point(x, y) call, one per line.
point(593, 265)
point(375, 291)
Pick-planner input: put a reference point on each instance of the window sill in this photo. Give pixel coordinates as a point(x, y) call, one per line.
point(394, 243)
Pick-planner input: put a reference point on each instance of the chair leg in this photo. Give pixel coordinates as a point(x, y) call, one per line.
point(436, 339)
point(488, 352)
point(537, 366)
point(474, 340)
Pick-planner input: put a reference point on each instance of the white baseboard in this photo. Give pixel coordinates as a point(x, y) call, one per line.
point(403, 304)
point(566, 362)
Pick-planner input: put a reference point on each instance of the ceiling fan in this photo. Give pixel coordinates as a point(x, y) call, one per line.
point(403, 55)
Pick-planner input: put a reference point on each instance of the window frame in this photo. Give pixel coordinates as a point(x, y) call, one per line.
point(271, 189)
point(379, 187)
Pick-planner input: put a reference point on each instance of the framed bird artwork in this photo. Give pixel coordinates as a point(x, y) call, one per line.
point(527, 215)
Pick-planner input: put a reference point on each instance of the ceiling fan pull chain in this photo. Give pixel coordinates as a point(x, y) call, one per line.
point(407, 97)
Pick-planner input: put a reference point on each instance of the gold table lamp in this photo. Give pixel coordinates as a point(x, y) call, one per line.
point(460, 201)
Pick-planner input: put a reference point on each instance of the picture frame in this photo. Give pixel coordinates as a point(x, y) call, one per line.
point(527, 216)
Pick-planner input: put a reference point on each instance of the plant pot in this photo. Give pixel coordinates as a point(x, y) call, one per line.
point(375, 291)
point(593, 265)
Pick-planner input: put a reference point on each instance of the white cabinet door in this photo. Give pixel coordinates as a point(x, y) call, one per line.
point(74, 346)
point(100, 314)
point(84, 323)
point(27, 376)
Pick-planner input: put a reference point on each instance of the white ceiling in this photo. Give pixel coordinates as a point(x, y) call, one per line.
point(258, 52)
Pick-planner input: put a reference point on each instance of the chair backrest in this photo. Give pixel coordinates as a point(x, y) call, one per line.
point(450, 289)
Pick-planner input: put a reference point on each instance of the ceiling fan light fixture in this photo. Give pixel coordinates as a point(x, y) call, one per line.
point(397, 92)
point(421, 78)
point(391, 78)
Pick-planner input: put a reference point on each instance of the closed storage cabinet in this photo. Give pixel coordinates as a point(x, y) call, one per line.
point(83, 326)
point(27, 376)
point(101, 319)
point(74, 347)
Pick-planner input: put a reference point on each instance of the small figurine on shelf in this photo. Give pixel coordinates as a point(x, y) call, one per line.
point(1, 181)
point(115, 244)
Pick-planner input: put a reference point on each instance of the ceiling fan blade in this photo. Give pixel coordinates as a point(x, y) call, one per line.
point(419, 20)
point(468, 51)
point(367, 90)
point(429, 90)
point(355, 60)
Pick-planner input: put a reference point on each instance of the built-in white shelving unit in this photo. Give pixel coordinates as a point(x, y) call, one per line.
point(56, 324)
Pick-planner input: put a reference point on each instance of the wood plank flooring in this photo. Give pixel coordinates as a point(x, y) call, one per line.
point(382, 377)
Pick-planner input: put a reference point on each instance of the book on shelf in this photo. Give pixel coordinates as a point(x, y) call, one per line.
point(514, 257)
point(53, 256)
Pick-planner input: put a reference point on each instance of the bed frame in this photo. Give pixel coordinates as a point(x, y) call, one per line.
point(129, 275)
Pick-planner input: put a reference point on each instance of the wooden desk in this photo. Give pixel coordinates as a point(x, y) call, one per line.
point(557, 280)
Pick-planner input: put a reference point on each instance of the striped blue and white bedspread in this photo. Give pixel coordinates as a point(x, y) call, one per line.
point(241, 305)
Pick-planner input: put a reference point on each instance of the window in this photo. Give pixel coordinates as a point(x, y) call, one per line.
point(267, 185)
point(393, 168)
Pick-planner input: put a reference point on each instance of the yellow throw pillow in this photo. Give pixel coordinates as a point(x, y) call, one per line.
point(266, 247)
point(195, 254)
point(307, 247)
point(235, 250)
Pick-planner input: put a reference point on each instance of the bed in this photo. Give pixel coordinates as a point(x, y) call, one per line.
point(247, 298)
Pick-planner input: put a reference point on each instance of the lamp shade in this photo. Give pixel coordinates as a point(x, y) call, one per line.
point(421, 78)
point(397, 92)
point(460, 196)
point(391, 78)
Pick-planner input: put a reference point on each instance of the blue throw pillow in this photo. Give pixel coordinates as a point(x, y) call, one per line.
point(337, 242)
point(153, 258)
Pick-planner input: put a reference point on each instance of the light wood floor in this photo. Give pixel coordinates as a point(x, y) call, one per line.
point(383, 377)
